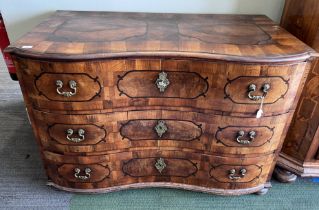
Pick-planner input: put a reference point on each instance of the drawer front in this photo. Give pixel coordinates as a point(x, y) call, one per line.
point(77, 134)
point(73, 87)
point(161, 84)
point(102, 133)
point(150, 166)
point(151, 83)
point(240, 136)
point(175, 130)
point(277, 89)
point(228, 173)
point(84, 173)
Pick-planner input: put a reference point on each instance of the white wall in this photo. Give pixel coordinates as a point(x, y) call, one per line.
point(22, 15)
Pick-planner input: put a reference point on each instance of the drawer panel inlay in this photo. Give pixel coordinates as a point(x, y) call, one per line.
point(91, 134)
point(177, 130)
point(272, 88)
point(84, 173)
point(244, 136)
point(157, 166)
point(235, 173)
point(242, 34)
point(144, 84)
point(71, 87)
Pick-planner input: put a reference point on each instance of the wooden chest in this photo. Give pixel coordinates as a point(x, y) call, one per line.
point(130, 100)
point(300, 153)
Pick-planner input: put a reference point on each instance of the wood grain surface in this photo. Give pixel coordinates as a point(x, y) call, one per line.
point(202, 85)
point(97, 85)
point(206, 132)
point(138, 166)
point(300, 153)
point(89, 35)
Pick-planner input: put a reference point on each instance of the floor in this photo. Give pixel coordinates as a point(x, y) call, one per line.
point(23, 182)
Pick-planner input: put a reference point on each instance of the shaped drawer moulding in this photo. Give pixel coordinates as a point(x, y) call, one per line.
point(142, 167)
point(228, 135)
point(92, 134)
point(237, 89)
point(225, 173)
point(177, 130)
point(179, 84)
point(86, 87)
point(84, 173)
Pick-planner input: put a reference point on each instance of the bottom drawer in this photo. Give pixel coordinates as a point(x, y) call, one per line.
point(155, 167)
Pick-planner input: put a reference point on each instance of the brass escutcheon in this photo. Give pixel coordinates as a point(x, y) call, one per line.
point(160, 165)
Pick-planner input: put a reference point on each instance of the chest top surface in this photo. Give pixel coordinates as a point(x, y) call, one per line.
point(76, 35)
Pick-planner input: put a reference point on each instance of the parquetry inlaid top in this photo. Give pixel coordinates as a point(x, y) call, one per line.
point(91, 35)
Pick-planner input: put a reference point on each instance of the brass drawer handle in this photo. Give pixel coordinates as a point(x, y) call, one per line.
point(232, 174)
point(87, 172)
point(252, 88)
point(162, 82)
point(160, 165)
point(70, 132)
point(251, 134)
point(160, 128)
point(72, 85)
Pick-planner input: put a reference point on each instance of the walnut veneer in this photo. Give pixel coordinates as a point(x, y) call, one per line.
point(129, 100)
point(300, 153)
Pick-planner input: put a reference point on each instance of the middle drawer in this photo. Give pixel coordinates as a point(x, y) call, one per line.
point(103, 133)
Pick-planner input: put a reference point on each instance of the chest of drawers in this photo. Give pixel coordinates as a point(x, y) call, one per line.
point(130, 100)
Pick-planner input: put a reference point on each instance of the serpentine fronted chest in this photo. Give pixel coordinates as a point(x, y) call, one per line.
point(130, 100)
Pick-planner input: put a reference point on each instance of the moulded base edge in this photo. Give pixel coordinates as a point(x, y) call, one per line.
point(166, 185)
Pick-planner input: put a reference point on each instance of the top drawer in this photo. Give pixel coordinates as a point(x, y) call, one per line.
point(110, 84)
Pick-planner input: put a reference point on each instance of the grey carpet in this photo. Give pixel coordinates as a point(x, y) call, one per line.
point(22, 178)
